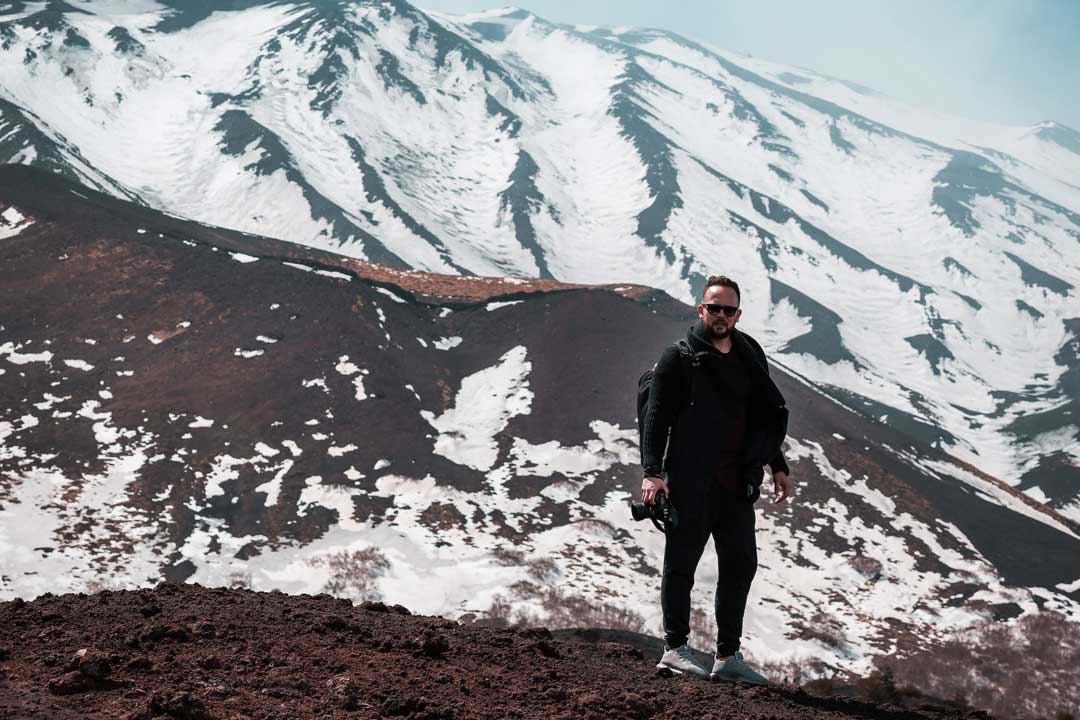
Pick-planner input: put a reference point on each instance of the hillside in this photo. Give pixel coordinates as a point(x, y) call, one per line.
point(187, 403)
point(920, 268)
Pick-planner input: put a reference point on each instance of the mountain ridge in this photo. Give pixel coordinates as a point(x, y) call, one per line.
point(501, 144)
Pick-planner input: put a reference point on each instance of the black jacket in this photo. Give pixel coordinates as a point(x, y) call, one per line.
point(689, 419)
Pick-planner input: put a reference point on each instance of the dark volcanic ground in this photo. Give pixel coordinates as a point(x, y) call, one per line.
point(193, 653)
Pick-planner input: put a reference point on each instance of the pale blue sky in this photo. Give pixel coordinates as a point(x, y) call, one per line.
point(1007, 61)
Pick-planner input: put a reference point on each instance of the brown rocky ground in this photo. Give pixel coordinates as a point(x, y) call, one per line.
point(192, 653)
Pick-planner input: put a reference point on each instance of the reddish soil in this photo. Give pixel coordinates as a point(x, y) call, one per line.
point(193, 653)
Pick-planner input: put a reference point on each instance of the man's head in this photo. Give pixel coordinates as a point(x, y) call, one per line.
point(719, 308)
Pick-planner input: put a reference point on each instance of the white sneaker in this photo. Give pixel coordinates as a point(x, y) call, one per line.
point(680, 660)
point(735, 669)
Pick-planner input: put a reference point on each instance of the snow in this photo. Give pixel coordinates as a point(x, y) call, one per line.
point(496, 305)
point(13, 223)
point(345, 367)
point(247, 354)
point(265, 450)
point(79, 365)
point(18, 358)
point(613, 445)
point(200, 422)
point(390, 294)
point(241, 257)
point(447, 343)
point(317, 382)
point(272, 488)
point(334, 274)
point(483, 405)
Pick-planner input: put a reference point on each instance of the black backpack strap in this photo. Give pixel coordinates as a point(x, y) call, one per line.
point(691, 361)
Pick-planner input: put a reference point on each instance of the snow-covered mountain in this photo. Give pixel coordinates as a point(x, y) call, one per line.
point(191, 403)
point(921, 266)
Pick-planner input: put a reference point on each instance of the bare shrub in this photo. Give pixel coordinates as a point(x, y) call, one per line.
point(96, 585)
point(557, 608)
point(826, 629)
point(498, 615)
point(240, 580)
point(789, 672)
point(573, 611)
point(868, 567)
point(508, 557)
point(703, 628)
point(353, 573)
point(1045, 646)
point(543, 569)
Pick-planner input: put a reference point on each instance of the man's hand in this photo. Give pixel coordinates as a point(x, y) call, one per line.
point(781, 486)
point(651, 485)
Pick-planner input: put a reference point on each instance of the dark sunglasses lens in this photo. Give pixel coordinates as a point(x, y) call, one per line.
point(728, 310)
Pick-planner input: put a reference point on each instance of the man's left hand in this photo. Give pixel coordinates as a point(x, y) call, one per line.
point(781, 486)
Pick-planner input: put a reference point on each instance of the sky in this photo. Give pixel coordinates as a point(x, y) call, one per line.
point(1006, 61)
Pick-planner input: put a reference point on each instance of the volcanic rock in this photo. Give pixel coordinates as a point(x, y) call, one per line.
point(431, 643)
point(92, 663)
point(491, 672)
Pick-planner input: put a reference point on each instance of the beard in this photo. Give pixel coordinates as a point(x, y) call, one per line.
point(713, 333)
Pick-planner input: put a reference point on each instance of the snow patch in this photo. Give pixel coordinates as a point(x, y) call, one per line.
point(484, 404)
point(18, 358)
point(496, 305)
point(393, 296)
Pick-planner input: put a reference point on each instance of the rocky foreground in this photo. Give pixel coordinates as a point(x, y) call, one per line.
point(192, 653)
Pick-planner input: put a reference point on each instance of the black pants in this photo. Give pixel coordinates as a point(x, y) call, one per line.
point(730, 522)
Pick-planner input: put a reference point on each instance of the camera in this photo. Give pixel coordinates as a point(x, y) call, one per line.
point(662, 512)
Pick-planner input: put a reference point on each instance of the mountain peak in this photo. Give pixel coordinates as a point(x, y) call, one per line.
point(1061, 135)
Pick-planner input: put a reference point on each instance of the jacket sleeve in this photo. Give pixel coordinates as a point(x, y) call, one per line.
point(778, 462)
point(665, 397)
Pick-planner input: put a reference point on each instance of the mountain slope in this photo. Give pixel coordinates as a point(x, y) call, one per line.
point(925, 264)
point(191, 403)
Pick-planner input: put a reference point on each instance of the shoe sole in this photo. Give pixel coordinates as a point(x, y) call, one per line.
point(714, 677)
point(662, 669)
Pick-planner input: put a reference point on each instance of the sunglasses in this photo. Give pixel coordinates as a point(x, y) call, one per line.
point(716, 309)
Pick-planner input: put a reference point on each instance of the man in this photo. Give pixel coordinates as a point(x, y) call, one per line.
point(722, 419)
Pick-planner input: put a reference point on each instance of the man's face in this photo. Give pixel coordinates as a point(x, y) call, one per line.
point(718, 325)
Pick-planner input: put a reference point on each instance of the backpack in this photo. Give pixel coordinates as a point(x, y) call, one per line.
point(689, 359)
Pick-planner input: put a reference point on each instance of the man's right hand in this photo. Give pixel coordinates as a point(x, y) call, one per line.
point(651, 485)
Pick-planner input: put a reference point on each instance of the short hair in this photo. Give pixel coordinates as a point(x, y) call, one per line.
point(722, 281)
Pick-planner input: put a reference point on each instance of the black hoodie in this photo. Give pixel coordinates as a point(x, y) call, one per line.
point(691, 411)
